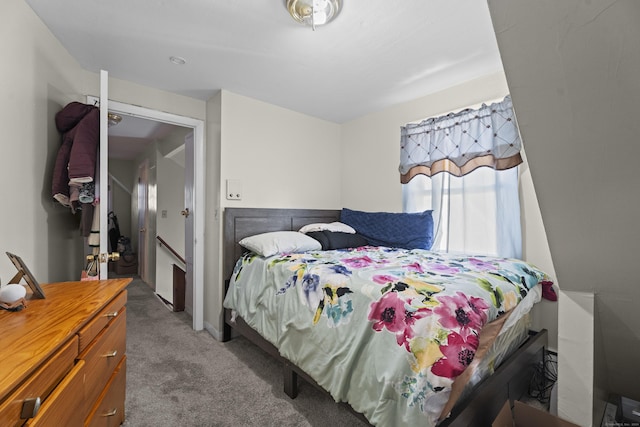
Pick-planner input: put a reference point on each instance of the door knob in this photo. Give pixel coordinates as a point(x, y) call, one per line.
point(113, 256)
point(185, 212)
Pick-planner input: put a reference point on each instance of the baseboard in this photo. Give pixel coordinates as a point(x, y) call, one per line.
point(216, 334)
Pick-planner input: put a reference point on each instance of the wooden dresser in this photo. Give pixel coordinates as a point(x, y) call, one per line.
point(62, 359)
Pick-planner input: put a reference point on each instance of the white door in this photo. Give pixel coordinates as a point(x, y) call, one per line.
point(102, 175)
point(188, 213)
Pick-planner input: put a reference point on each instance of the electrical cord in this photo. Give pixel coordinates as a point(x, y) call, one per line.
point(544, 378)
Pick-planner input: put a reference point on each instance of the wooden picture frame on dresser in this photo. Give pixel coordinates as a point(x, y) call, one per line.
point(25, 273)
point(63, 358)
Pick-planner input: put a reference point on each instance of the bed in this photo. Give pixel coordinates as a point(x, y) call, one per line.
point(344, 365)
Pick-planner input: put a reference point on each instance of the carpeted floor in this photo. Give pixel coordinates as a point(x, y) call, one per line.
point(179, 377)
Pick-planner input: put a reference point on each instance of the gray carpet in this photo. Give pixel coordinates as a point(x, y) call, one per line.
point(179, 377)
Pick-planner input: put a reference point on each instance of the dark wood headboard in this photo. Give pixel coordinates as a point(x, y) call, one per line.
point(242, 222)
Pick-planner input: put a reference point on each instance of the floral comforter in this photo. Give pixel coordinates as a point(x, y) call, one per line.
point(387, 330)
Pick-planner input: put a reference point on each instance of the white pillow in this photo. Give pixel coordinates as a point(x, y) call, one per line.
point(275, 242)
point(333, 226)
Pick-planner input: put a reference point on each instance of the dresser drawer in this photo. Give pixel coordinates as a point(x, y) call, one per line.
point(39, 385)
point(103, 356)
point(101, 320)
point(109, 410)
point(62, 407)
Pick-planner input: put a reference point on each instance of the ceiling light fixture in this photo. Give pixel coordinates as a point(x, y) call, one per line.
point(313, 12)
point(113, 119)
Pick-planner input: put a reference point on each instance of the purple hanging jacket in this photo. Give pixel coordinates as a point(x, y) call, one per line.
point(76, 160)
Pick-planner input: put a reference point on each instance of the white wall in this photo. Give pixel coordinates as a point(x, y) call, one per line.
point(573, 71)
point(38, 80)
point(147, 97)
point(284, 159)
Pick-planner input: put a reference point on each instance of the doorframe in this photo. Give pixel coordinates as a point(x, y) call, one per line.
point(199, 202)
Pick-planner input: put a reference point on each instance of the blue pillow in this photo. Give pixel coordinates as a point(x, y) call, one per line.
point(396, 230)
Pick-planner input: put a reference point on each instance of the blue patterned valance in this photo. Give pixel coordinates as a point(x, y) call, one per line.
point(460, 142)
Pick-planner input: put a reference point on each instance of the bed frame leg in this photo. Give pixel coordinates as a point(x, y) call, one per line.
point(290, 381)
point(226, 332)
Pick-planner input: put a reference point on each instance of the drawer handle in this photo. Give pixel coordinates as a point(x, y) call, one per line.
point(111, 413)
point(112, 354)
point(111, 315)
point(30, 407)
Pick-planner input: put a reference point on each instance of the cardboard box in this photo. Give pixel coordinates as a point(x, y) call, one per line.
point(524, 415)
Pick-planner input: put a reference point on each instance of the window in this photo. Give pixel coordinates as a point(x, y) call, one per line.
point(463, 166)
point(478, 213)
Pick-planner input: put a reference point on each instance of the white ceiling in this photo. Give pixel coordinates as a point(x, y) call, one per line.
point(375, 54)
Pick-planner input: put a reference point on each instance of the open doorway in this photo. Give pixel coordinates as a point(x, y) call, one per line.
point(149, 157)
point(163, 151)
